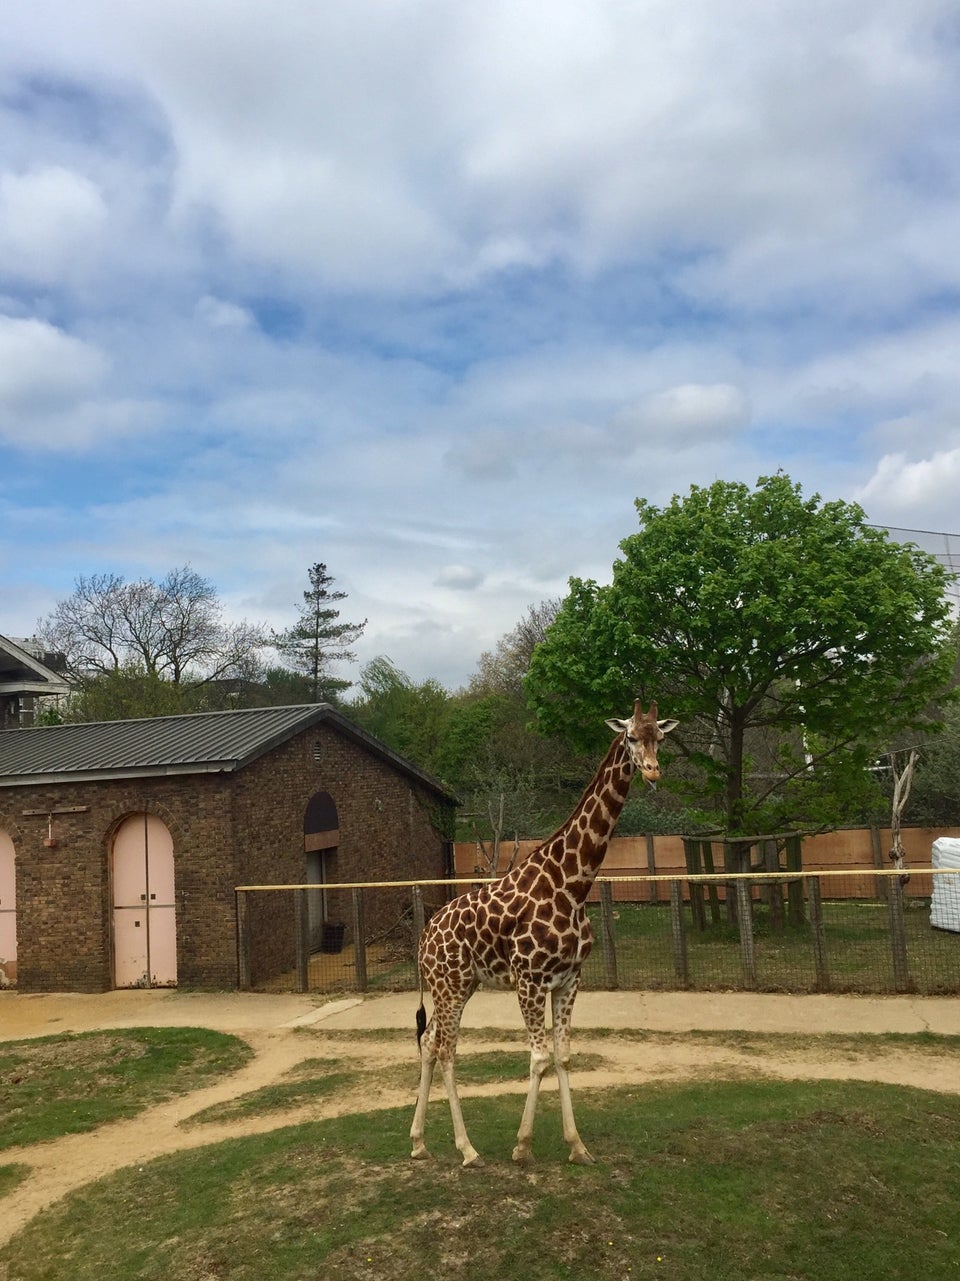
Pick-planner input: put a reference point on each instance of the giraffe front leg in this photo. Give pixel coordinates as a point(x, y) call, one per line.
point(562, 1011)
point(532, 1006)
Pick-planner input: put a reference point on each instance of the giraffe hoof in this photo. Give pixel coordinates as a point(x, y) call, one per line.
point(472, 1162)
point(522, 1156)
point(580, 1156)
point(420, 1153)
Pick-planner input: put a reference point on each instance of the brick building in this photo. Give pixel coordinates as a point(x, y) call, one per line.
point(121, 843)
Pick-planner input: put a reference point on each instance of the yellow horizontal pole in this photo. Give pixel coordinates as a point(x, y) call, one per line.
point(913, 870)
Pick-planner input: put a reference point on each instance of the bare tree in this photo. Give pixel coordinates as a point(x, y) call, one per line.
point(171, 630)
point(502, 670)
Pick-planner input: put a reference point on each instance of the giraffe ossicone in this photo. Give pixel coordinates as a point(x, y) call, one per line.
point(529, 930)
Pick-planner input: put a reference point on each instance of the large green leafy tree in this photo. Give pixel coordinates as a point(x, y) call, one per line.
point(319, 638)
point(409, 717)
point(791, 639)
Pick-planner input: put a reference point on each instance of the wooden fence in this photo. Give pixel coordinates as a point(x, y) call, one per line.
point(632, 857)
point(808, 931)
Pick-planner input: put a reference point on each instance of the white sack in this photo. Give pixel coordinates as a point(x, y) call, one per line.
point(945, 900)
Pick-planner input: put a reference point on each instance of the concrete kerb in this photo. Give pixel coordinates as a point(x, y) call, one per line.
point(27, 1015)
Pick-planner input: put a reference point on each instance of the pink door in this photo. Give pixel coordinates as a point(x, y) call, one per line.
point(144, 908)
point(8, 912)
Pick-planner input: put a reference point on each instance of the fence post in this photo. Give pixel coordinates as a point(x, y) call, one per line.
point(772, 889)
point(877, 849)
point(359, 941)
point(691, 853)
point(606, 934)
point(678, 934)
point(713, 894)
point(745, 923)
point(653, 887)
point(302, 931)
point(898, 935)
point(795, 888)
point(818, 935)
point(418, 919)
point(244, 979)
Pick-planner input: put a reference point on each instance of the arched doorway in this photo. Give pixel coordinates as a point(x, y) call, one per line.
point(8, 912)
point(321, 835)
point(144, 907)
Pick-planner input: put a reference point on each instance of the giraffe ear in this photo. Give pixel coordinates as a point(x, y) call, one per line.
point(666, 726)
point(617, 726)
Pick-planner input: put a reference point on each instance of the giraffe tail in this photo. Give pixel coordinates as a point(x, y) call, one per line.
point(421, 1021)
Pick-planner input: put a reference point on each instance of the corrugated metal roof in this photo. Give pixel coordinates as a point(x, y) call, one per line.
point(204, 742)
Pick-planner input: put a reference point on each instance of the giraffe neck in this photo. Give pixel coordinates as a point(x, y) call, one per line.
point(580, 845)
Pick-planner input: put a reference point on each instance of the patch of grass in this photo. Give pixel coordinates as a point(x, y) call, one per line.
point(489, 1067)
point(58, 1085)
point(855, 1045)
point(312, 1079)
point(501, 1066)
point(704, 1182)
point(10, 1176)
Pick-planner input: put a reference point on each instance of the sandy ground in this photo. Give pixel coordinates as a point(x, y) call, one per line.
point(270, 1024)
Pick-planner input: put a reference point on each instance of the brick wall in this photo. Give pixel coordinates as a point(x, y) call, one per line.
point(386, 833)
point(228, 829)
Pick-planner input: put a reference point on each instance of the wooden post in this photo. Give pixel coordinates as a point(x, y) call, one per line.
point(302, 930)
point(898, 934)
point(359, 941)
point(795, 887)
point(713, 894)
point(653, 887)
point(773, 887)
point(606, 934)
point(691, 853)
point(818, 936)
point(678, 934)
point(418, 918)
point(880, 882)
point(244, 979)
point(745, 923)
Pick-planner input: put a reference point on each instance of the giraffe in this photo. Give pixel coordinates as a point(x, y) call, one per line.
point(529, 931)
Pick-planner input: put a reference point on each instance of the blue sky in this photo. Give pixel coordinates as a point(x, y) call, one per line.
point(431, 291)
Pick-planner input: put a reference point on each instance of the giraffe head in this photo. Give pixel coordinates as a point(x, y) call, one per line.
point(642, 736)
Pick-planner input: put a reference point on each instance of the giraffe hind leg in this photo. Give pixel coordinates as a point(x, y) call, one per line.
point(426, 1038)
point(471, 1157)
point(439, 1041)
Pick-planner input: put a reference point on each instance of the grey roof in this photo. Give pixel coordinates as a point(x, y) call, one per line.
point(200, 743)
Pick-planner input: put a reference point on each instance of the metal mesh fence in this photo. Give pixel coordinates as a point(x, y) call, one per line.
point(807, 932)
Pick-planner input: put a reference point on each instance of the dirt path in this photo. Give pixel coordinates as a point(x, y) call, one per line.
point(60, 1166)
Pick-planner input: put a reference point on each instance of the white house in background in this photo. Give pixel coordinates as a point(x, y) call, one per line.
point(28, 677)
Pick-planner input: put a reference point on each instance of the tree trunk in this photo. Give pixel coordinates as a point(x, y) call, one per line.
point(734, 787)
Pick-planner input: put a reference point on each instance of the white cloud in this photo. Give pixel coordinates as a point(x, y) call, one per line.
point(51, 222)
point(433, 291)
point(683, 416)
point(219, 314)
point(43, 369)
point(923, 492)
point(398, 147)
point(459, 578)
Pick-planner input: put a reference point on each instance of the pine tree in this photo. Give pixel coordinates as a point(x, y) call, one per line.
point(318, 638)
